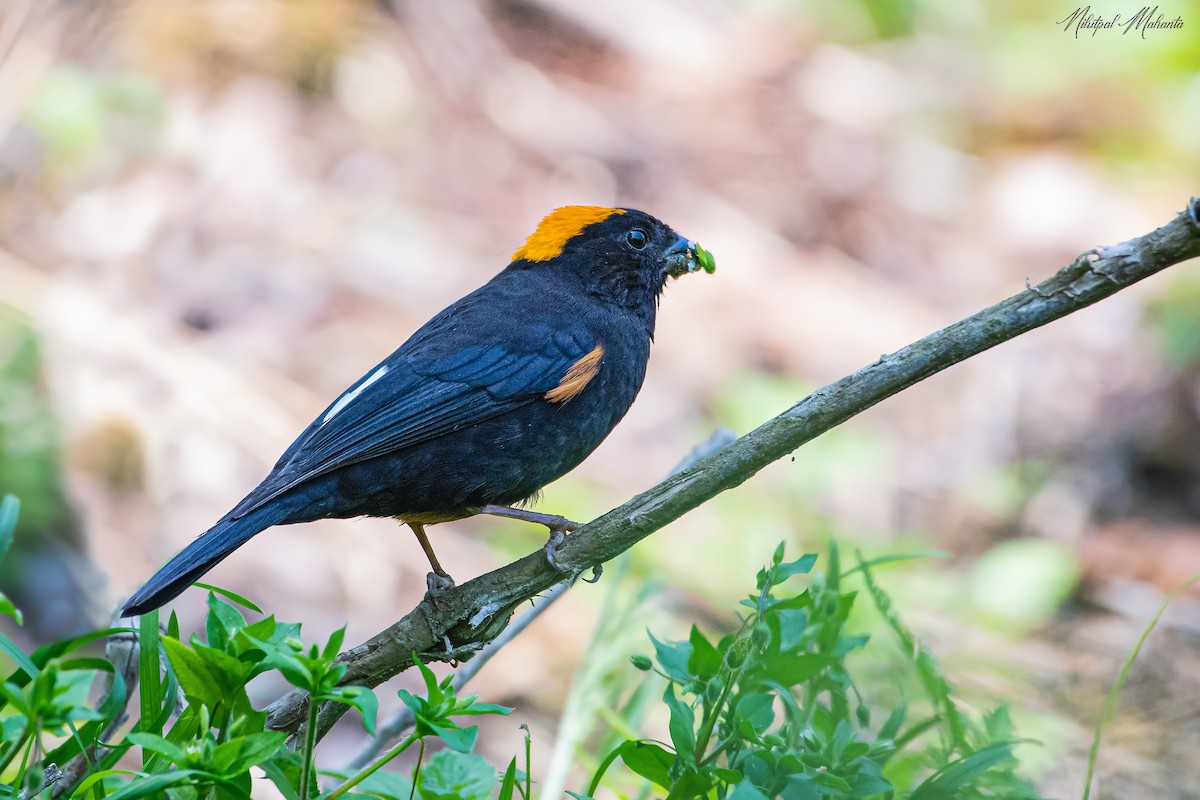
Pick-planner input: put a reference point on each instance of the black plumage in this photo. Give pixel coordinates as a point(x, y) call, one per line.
point(498, 395)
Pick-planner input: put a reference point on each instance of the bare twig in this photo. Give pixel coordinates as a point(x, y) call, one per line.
point(472, 614)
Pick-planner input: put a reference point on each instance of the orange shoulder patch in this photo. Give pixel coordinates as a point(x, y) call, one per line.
point(578, 375)
point(559, 227)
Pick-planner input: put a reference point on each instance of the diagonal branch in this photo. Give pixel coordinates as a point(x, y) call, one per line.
point(466, 617)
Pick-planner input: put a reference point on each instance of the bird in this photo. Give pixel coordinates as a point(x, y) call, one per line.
point(502, 392)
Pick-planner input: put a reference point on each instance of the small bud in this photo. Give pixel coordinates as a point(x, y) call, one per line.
point(641, 662)
point(737, 653)
point(864, 716)
point(761, 637)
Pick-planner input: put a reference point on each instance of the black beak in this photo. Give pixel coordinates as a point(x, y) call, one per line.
point(684, 256)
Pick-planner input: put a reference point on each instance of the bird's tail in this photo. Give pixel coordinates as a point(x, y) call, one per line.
point(199, 557)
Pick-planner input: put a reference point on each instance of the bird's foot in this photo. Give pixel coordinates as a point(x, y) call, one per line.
point(436, 584)
point(557, 537)
point(559, 528)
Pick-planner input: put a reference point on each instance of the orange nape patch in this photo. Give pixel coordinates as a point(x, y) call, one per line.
point(559, 227)
point(578, 375)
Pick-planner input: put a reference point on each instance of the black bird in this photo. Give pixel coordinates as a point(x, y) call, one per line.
point(498, 395)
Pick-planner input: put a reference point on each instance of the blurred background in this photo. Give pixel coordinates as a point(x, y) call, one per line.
point(217, 214)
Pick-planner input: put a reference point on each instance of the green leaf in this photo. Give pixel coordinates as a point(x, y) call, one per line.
point(755, 710)
point(234, 596)
point(452, 775)
point(730, 777)
point(916, 729)
point(150, 687)
point(673, 658)
point(295, 671)
point(13, 651)
point(283, 770)
point(9, 610)
point(795, 603)
point(363, 699)
point(746, 791)
point(222, 623)
point(467, 706)
point(334, 645)
point(10, 509)
point(151, 786)
point(114, 704)
point(240, 754)
point(946, 782)
point(870, 781)
point(831, 781)
point(705, 660)
point(460, 739)
point(891, 728)
point(802, 565)
point(98, 776)
point(157, 744)
point(649, 760)
point(417, 705)
point(605, 763)
point(201, 684)
point(432, 689)
point(63, 646)
point(508, 784)
point(214, 679)
point(682, 725)
point(791, 669)
point(801, 787)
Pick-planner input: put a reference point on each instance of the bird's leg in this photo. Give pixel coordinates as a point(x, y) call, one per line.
point(439, 580)
point(552, 521)
point(559, 527)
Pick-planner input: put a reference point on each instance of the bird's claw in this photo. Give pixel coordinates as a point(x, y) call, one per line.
point(557, 536)
point(436, 584)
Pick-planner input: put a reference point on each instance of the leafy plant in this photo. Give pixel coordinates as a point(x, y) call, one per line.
point(772, 709)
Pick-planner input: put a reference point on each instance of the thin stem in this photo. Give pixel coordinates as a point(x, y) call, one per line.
point(528, 752)
point(310, 745)
point(18, 744)
point(711, 718)
point(29, 750)
point(417, 770)
point(369, 770)
point(1110, 705)
point(720, 748)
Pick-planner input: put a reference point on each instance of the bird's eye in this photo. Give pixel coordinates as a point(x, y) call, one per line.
point(637, 238)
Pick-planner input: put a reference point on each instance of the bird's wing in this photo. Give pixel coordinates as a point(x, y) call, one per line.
point(413, 397)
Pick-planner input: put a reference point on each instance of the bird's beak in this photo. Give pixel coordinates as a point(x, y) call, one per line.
point(686, 256)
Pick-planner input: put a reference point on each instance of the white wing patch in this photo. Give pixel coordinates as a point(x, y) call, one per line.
point(349, 396)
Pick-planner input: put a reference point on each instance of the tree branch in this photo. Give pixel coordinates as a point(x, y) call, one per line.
point(466, 617)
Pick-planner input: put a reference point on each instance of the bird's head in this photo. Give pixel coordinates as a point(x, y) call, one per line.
point(622, 255)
